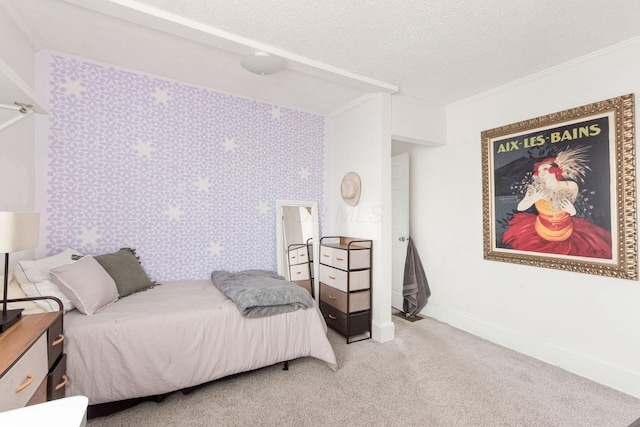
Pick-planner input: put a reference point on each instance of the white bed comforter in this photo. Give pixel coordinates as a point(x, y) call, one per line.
point(177, 335)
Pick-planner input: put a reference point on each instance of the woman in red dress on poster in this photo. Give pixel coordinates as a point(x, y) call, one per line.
point(555, 229)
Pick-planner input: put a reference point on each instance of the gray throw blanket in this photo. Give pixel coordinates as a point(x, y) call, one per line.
point(259, 293)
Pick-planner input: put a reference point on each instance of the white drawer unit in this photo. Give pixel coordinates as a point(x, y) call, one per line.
point(345, 285)
point(23, 379)
point(301, 265)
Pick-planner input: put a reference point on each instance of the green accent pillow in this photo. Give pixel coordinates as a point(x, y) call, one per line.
point(125, 269)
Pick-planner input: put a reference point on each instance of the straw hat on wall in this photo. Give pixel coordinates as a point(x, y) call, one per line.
point(350, 188)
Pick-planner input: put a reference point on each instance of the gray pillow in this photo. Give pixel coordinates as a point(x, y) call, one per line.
point(126, 271)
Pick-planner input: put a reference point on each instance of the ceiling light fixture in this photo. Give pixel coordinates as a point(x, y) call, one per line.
point(262, 63)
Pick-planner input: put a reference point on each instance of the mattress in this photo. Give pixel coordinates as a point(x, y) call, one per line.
point(178, 335)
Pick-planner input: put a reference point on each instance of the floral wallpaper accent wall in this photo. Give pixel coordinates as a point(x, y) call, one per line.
point(186, 175)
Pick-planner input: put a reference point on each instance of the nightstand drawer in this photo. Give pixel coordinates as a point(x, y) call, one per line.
point(20, 382)
point(55, 340)
point(57, 379)
point(358, 301)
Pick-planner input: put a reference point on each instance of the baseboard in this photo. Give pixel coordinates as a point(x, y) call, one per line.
point(382, 332)
point(596, 370)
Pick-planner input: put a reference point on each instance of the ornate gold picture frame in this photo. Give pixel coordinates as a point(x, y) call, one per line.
point(559, 191)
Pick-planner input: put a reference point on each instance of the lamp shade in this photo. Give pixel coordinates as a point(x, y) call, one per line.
point(18, 231)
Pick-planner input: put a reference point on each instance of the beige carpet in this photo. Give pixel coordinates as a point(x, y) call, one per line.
point(431, 375)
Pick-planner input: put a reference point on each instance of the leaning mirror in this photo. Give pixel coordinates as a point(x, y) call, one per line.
point(297, 241)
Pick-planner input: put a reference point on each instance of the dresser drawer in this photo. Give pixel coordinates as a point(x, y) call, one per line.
point(358, 322)
point(325, 255)
point(57, 379)
point(334, 318)
point(299, 272)
point(21, 381)
point(350, 260)
point(302, 255)
point(358, 301)
point(333, 277)
point(338, 279)
point(305, 284)
point(298, 255)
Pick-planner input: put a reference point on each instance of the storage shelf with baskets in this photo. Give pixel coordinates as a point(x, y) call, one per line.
point(345, 285)
point(300, 258)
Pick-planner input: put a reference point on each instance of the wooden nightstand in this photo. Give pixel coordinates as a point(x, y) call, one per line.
point(32, 361)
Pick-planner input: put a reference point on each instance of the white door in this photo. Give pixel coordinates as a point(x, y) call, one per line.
point(400, 227)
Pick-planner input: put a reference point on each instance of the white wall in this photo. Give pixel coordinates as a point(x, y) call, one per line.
point(17, 147)
point(359, 140)
point(417, 121)
point(584, 323)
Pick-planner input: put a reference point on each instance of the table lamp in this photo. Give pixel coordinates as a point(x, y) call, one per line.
point(18, 231)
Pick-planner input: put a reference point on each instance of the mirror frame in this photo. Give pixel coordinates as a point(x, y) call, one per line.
point(282, 262)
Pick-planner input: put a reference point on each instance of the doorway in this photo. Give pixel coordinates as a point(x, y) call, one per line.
point(400, 224)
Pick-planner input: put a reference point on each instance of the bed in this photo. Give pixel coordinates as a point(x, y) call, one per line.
point(178, 335)
point(127, 337)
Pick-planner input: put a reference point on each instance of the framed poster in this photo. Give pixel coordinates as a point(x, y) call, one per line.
point(559, 191)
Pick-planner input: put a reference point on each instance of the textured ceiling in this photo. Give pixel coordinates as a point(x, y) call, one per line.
point(438, 50)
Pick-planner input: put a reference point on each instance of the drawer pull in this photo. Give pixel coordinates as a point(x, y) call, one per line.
point(340, 259)
point(26, 383)
point(332, 278)
point(63, 383)
point(331, 297)
point(58, 341)
point(325, 255)
point(332, 317)
point(299, 272)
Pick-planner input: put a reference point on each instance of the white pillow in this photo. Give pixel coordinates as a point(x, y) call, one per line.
point(86, 283)
point(14, 291)
point(33, 277)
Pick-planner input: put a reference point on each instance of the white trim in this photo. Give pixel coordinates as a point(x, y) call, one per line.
point(353, 104)
point(548, 71)
point(601, 372)
point(18, 20)
point(170, 23)
point(383, 332)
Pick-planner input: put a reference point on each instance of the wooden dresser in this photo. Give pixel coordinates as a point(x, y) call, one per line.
point(32, 361)
point(345, 285)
